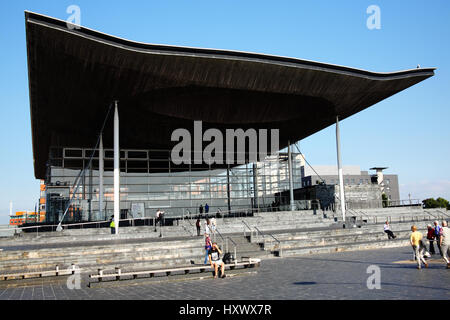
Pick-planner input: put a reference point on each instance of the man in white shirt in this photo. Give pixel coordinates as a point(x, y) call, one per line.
point(387, 229)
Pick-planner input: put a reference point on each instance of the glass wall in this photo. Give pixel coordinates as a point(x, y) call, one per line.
point(149, 181)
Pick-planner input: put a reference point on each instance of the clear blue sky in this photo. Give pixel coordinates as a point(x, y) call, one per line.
point(408, 132)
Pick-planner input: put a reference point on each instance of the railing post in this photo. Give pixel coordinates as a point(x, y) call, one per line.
point(100, 273)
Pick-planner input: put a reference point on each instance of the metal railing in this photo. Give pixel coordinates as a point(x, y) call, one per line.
point(445, 214)
point(249, 228)
point(80, 224)
point(272, 237)
point(225, 240)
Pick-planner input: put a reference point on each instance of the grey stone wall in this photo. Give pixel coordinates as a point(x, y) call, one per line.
point(360, 196)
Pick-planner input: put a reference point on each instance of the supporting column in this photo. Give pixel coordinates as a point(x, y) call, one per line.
point(341, 176)
point(228, 189)
point(101, 169)
point(291, 183)
point(91, 190)
point(116, 170)
point(255, 186)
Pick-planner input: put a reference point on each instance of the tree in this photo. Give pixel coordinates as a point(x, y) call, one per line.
point(442, 202)
point(385, 199)
point(438, 203)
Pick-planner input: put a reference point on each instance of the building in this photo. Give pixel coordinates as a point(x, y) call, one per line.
point(85, 84)
point(388, 183)
point(320, 188)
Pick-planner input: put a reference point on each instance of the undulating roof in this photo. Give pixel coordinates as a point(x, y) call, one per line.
point(74, 75)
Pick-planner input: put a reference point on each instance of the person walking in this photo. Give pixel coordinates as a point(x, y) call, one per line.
point(197, 224)
point(157, 217)
point(419, 249)
point(430, 238)
point(206, 208)
point(437, 235)
point(387, 229)
point(112, 226)
point(200, 209)
point(208, 246)
point(445, 242)
point(207, 227)
point(213, 225)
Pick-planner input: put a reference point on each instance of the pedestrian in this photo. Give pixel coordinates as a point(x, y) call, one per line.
point(112, 225)
point(208, 246)
point(213, 225)
point(200, 209)
point(214, 259)
point(419, 249)
point(430, 238)
point(437, 235)
point(207, 226)
point(206, 208)
point(197, 224)
point(445, 242)
point(387, 229)
point(157, 217)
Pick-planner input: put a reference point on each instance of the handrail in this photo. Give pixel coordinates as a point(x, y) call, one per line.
point(188, 232)
point(235, 246)
point(445, 214)
point(271, 235)
point(249, 228)
point(76, 224)
point(226, 242)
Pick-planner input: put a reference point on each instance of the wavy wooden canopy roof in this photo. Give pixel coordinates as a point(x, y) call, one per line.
point(74, 75)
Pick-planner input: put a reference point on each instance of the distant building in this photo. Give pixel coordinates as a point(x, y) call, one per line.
point(320, 188)
point(388, 183)
point(24, 217)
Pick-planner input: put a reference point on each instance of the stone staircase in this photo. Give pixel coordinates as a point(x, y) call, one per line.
point(136, 248)
point(302, 242)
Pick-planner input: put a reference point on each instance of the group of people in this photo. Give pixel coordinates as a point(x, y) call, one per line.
point(439, 234)
point(210, 226)
point(200, 209)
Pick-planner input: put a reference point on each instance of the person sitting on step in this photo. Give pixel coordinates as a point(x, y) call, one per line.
point(216, 261)
point(387, 229)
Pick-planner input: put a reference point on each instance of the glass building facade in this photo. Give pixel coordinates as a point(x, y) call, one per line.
point(147, 185)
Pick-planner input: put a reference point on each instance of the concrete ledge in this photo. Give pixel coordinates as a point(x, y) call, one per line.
point(118, 275)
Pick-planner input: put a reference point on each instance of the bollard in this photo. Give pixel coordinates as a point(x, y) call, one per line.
point(100, 273)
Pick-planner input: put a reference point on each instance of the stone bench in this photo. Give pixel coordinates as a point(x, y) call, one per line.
point(119, 275)
point(38, 274)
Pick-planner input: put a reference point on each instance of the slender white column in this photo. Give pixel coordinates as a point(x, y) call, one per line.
point(116, 170)
point(100, 175)
point(341, 176)
point(291, 182)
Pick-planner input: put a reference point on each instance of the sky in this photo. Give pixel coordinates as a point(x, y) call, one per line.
point(408, 132)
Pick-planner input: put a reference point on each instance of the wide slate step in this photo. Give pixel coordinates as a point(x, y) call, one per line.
point(345, 247)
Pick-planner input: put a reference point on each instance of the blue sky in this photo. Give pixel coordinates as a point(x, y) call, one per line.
point(408, 132)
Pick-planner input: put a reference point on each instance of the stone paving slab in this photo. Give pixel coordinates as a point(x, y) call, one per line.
point(336, 276)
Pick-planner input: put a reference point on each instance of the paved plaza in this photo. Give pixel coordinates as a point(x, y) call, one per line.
point(341, 275)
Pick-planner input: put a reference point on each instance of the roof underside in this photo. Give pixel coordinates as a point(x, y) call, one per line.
point(74, 75)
